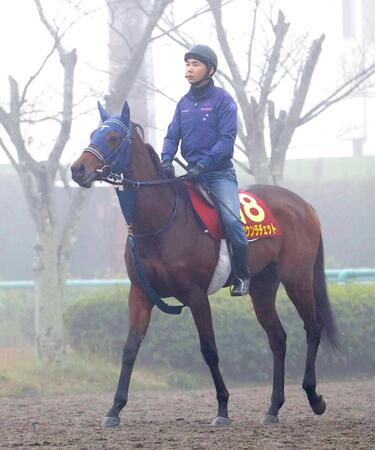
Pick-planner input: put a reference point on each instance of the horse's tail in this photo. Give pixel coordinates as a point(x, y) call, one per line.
point(324, 312)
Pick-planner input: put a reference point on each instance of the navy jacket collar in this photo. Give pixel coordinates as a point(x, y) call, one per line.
point(196, 93)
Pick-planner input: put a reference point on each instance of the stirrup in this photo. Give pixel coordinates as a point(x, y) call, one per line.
point(241, 286)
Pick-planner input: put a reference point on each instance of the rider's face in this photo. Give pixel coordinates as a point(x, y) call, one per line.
point(195, 70)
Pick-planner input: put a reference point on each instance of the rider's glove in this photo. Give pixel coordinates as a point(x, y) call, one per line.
point(196, 171)
point(168, 168)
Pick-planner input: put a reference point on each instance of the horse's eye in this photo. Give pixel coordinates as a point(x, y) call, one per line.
point(114, 141)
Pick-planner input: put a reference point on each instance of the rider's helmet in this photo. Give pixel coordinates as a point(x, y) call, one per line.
point(204, 54)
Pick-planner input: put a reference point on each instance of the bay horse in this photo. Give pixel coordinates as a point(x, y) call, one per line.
point(178, 260)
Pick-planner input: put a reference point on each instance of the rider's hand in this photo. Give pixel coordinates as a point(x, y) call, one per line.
point(196, 171)
point(168, 168)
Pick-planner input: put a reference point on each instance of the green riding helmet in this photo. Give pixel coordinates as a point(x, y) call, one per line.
point(202, 53)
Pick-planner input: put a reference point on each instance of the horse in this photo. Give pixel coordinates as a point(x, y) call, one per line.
point(174, 258)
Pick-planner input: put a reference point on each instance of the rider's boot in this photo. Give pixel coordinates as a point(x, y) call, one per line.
point(241, 284)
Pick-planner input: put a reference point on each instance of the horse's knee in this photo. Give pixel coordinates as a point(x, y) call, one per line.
point(210, 356)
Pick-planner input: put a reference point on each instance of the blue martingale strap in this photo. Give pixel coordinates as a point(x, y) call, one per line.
point(152, 295)
point(127, 199)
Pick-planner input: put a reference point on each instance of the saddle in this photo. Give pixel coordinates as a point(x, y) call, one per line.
point(257, 219)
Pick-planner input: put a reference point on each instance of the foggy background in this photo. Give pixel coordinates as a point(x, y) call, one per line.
point(302, 74)
point(344, 200)
point(336, 150)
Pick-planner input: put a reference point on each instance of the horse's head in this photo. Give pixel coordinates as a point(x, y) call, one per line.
point(108, 151)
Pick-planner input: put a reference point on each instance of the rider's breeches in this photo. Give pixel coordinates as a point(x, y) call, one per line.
point(224, 184)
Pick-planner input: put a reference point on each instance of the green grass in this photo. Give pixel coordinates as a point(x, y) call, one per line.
point(24, 376)
point(76, 375)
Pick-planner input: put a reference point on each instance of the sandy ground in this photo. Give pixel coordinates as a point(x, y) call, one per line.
point(180, 420)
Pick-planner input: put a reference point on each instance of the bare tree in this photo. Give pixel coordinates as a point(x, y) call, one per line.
point(131, 26)
point(279, 61)
point(52, 250)
point(257, 69)
point(53, 247)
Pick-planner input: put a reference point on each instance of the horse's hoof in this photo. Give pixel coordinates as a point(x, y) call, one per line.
point(109, 422)
point(270, 419)
point(220, 422)
point(320, 406)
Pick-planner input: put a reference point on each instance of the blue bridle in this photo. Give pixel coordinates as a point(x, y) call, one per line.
point(115, 161)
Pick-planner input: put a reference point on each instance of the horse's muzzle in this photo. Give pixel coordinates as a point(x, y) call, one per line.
point(80, 175)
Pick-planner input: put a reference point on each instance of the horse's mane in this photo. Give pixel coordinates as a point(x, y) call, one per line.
point(154, 156)
point(139, 129)
point(157, 162)
point(155, 159)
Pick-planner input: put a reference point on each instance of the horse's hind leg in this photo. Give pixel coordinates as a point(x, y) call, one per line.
point(201, 312)
point(139, 318)
point(302, 295)
point(263, 294)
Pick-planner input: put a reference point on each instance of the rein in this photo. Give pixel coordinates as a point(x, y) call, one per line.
point(118, 179)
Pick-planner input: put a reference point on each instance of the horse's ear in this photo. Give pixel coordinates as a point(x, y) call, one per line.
point(125, 114)
point(103, 113)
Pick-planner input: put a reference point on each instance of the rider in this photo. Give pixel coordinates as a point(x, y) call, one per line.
point(205, 121)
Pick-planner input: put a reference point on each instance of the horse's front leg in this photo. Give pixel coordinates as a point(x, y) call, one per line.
point(201, 312)
point(139, 318)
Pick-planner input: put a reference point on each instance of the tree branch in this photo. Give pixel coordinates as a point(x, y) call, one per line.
point(251, 41)
point(51, 30)
point(151, 87)
point(12, 124)
point(9, 155)
point(342, 92)
point(33, 77)
point(126, 76)
point(241, 149)
point(63, 175)
point(68, 61)
point(237, 82)
point(112, 27)
point(287, 126)
point(243, 166)
point(194, 16)
point(280, 30)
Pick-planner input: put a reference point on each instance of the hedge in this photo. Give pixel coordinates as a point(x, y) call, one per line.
point(16, 317)
point(98, 323)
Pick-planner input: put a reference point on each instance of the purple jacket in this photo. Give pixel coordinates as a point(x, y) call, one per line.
point(205, 121)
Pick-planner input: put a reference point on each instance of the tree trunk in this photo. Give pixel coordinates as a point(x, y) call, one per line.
point(129, 22)
point(261, 170)
point(49, 292)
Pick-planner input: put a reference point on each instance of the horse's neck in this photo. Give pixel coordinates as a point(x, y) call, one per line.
point(154, 204)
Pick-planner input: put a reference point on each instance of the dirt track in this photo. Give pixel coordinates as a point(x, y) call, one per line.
point(179, 420)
